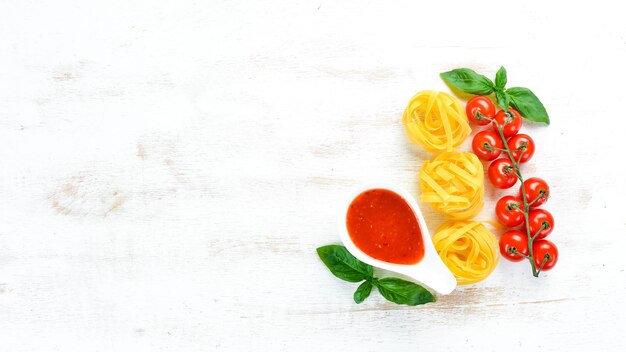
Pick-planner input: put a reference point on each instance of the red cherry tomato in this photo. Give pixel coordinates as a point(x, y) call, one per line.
point(502, 173)
point(545, 249)
point(521, 144)
point(484, 145)
point(537, 191)
point(513, 239)
point(510, 211)
point(540, 220)
point(480, 110)
point(510, 122)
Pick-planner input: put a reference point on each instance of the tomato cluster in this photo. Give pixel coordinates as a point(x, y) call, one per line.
point(503, 173)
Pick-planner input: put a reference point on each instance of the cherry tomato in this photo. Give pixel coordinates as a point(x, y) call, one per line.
point(521, 144)
point(510, 211)
point(543, 249)
point(480, 110)
point(537, 191)
point(513, 239)
point(484, 143)
point(502, 174)
point(540, 220)
point(510, 121)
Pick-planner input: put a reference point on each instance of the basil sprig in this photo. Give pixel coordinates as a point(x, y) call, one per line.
point(469, 81)
point(527, 103)
point(403, 292)
point(522, 99)
point(345, 266)
point(363, 291)
point(502, 97)
point(501, 78)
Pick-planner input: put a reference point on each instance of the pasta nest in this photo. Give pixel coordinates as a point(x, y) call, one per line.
point(468, 249)
point(435, 120)
point(453, 183)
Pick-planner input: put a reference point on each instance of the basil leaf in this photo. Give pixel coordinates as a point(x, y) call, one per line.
point(503, 99)
point(343, 264)
point(363, 292)
point(501, 78)
point(529, 106)
point(468, 81)
point(403, 292)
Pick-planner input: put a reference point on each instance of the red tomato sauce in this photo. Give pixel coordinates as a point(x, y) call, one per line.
point(382, 224)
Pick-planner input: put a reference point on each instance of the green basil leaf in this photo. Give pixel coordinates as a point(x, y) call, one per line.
point(363, 292)
point(343, 264)
point(501, 78)
point(403, 292)
point(503, 99)
point(528, 105)
point(468, 81)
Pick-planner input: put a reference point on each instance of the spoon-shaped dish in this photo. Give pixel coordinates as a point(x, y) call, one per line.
point(430, 271)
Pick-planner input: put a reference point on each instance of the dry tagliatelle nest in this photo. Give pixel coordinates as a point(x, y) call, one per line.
point(435, 120)
point(453, 183)
point(468, 249)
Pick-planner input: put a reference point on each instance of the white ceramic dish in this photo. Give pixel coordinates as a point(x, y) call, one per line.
point(430, 271)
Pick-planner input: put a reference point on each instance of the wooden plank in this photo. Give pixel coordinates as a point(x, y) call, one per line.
point(168, 169)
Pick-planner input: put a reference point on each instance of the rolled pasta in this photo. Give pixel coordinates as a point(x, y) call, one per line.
point(468, 249)
point(453, 183)
point(435, 120)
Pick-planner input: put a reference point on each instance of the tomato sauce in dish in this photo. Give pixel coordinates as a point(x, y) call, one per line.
point(383, 225)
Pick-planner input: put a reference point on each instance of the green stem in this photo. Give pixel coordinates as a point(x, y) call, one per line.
point(490, 148)
point(545, 260)
point(479, 116)
point(541, 195)
point(538, 232)
point(521, 155)
point(515, 251)
point(530, 238)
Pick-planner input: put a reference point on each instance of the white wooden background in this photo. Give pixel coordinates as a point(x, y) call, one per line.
point(167, 169)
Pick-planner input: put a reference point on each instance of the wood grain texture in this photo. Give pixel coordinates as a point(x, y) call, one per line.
point(168, 169)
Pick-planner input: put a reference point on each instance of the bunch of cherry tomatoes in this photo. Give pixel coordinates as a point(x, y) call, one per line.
point(504, 173)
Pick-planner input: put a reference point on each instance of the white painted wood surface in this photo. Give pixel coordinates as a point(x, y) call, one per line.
point(167, 169)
